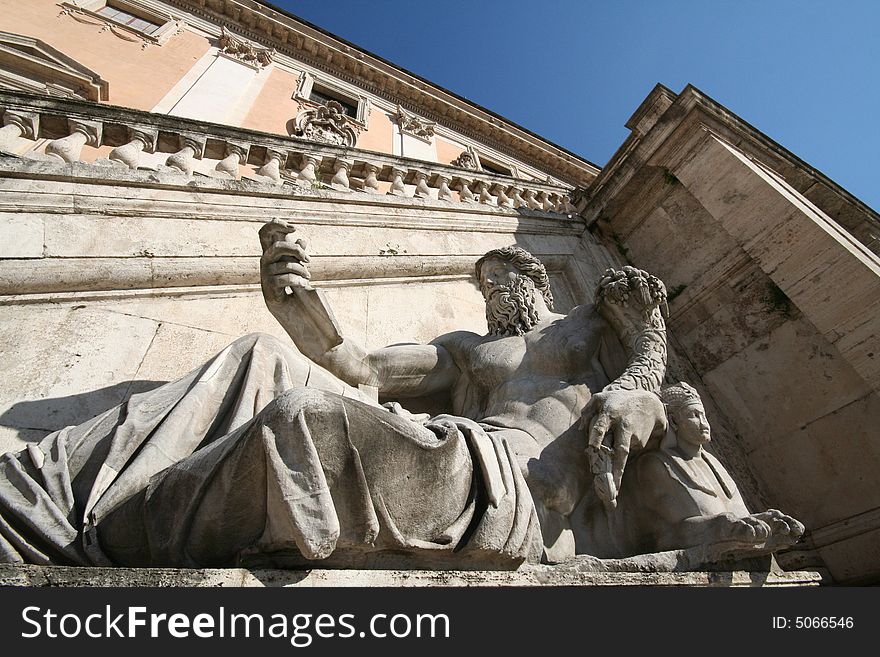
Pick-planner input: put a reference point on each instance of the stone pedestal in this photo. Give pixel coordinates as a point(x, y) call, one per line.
point(531, 576)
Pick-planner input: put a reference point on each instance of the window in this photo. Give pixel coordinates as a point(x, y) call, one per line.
point(320, 92)
point(323, 97)
point(491, 167)
point(129, 20)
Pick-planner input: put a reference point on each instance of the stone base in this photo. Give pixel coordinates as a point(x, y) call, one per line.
point(530, 576)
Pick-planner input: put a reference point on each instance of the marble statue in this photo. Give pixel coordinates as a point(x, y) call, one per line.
point(681, 496)
point(676, 496)
point(282, 455)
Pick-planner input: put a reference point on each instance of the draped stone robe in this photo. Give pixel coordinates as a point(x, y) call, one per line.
point(262, 457)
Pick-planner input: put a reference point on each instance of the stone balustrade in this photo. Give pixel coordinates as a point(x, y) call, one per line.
point(70, 126)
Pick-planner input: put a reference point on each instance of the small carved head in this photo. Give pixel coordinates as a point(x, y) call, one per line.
point(686, 414)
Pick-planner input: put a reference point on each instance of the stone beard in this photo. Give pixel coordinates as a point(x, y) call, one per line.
point(510, 309)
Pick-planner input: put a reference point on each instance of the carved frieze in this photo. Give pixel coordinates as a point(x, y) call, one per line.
point(245, 51)
point(413, 125)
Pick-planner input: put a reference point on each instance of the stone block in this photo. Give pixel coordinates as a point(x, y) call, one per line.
point(795, 367)
point(74, 365)
point(544, 576)
point(21, 236)
point(178, 349)
point(825, 471)
point(91, 236)
point(429, 310)
point(232, 314)
point(853, 560)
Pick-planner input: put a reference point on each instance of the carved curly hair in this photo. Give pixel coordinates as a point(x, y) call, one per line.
point(526, 263)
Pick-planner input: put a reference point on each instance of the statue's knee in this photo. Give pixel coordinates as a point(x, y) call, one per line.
point(297, 401)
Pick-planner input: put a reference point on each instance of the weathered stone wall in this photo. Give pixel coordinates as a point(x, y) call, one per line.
point(113, 280)
point(774, 308)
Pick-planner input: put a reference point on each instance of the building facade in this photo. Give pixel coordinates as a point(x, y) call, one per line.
point(146, 141)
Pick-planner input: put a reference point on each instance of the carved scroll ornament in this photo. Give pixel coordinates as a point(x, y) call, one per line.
point(244, 50)
point(327, 124)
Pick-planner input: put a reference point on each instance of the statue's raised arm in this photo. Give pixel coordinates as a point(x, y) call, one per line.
point(303, 311)
point(627, 413)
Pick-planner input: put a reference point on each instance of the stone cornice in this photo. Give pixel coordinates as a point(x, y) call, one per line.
point(663, 113)
point(302, 41)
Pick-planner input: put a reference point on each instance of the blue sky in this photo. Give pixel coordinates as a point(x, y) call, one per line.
point(805, 73)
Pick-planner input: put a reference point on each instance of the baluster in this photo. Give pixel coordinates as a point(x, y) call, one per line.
point(397, 186)
point(82, 132)
point(441, 182)
point(464, 192)
point(567, 207)
point(340, 179)
point(129, 154)
point(546, 203)
point(516, 199)
point(560, 205)
point(483, 191)
point(307, 176)
point(272, 166)
point(192, 147)
point(422, 189)
point(235, 153)
point(531, 201)
point(504, 201)
point(371, 182)
point(18, 124)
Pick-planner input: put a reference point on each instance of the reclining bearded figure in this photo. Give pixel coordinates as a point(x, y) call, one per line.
point(281, 456)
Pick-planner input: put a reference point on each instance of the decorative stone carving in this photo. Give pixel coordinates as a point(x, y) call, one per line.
point(397, 186)
point(464, 191)
point(531, 202)
point(634, 303)
point(422, 189)
point(466, 161)
point(191, 147)
point(441, 182)
point(129, 154)
point(272, 167)
point(371, 182)
point(245, 51)
point(274, 456)
point(483, 193)
point(32, 65)
point(327, 124)
point(330, 86)
point(413, 125)
point(18, 124)
point(516, 198)
point(678, 495)
point(81, 133)
point(308, 175)
point(235, 153)
point(504, 201)
point(340, 179)
point(546, 203)
point(81, 15)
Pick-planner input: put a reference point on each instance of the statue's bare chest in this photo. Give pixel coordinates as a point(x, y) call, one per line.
point(562, 349)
